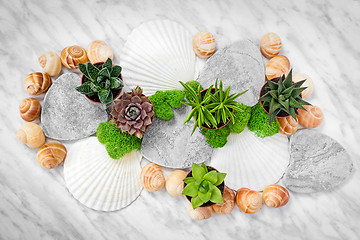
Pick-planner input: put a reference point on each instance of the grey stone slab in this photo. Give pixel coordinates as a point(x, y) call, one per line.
point(238, 65)
point(317, 163)
point(67, 114)
point(170, 144)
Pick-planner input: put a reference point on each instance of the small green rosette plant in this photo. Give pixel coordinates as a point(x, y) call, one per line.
point(203, 186)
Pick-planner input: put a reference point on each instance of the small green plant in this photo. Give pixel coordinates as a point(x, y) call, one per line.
point(164, 101)
point(259, 122)
point(241, 119)
point(117, 143)
point(101, 82)
point(216, 138)
point(202, 186)
point(283, 96)
point(213, 108)
point(194, 85)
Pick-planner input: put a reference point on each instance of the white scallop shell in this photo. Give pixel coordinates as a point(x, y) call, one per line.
point(157, 55)
point(99, 182)
point(252, 162)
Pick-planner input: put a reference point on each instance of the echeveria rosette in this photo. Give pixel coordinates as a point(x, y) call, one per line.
point(202, 186)
point(133, 112)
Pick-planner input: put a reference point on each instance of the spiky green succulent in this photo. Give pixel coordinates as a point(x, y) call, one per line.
point(283, 96)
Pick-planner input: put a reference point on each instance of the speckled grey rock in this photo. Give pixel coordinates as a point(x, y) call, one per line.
point(317, 162)
point(68, 115)
point(170, 144)
point(238, 65)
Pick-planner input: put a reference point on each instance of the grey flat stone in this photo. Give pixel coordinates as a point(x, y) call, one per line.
point(317, 162)
point(170, 144)
point(238, 65)
point(67, 114)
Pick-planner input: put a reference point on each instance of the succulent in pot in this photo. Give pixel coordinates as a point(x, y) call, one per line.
point(101, 82)
point(204, 186)
point(212, 108)
point(281, 97)
point(133, 112)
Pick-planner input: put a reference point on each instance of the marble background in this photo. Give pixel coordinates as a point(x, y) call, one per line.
point(319, 37)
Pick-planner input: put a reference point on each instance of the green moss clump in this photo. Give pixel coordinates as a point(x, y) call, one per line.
point(194, 85)
point(259, 122)
point(216, 138)
point(117, 143)
point(163, 101)
point(241, 119)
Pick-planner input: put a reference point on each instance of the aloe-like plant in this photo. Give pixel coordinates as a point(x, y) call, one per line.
point(214, 107)
point(284, 95)
point(202, 186)
point(102, 82)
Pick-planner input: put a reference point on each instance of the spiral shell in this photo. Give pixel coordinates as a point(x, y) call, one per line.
point(99, 51)
point(29, 109)
point(229, 202)
point(310, 118)
point(203, 44)
point(37, 83)
point(51, 63)
point(51, 154)
point(270, 45)
point(288, 125)
point(277, 66)
point(152, 178)
point(308, 83)
point(174, 183)
point(31, 134)
point(248, 201)
point(72, 56)
point(275, 196)
point(199, 213)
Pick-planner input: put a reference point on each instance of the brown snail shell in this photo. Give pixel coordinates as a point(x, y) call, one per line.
point(199, 213)
point(30, 109)
point(277, 66)
point(288, 125)
point(99, 51)
point(229, 202)
point(270, 45)
point(203, 44)
point(152, 178)
point(248, 201)
point(308, 84)
point(174, 183)
point(51, 154)
point(275, 196)
point(72, 56)
point(37, 83)
point(310, 118)
point(51, 63)
point(31, 134)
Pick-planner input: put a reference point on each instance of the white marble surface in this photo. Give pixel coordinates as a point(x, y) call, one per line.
point(319, 37)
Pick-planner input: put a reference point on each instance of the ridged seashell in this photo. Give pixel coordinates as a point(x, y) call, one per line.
point(31, 134)
point(229, 202)
point(142, 65)
point(288, 125)
point(308, 83)
point(29, 109)
point(248, 201)
point(37, 83)
point(277, 66)
point(98, 181)
point(250, 161)
point(199, 213)
point(72, 56)
point(270, 45)
point(99, 51)
point(275, 196)
point(51, 154)
point(203, 44)
point(174, 183)
point(51, 63)
point(310, 118)
point(152, 178)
